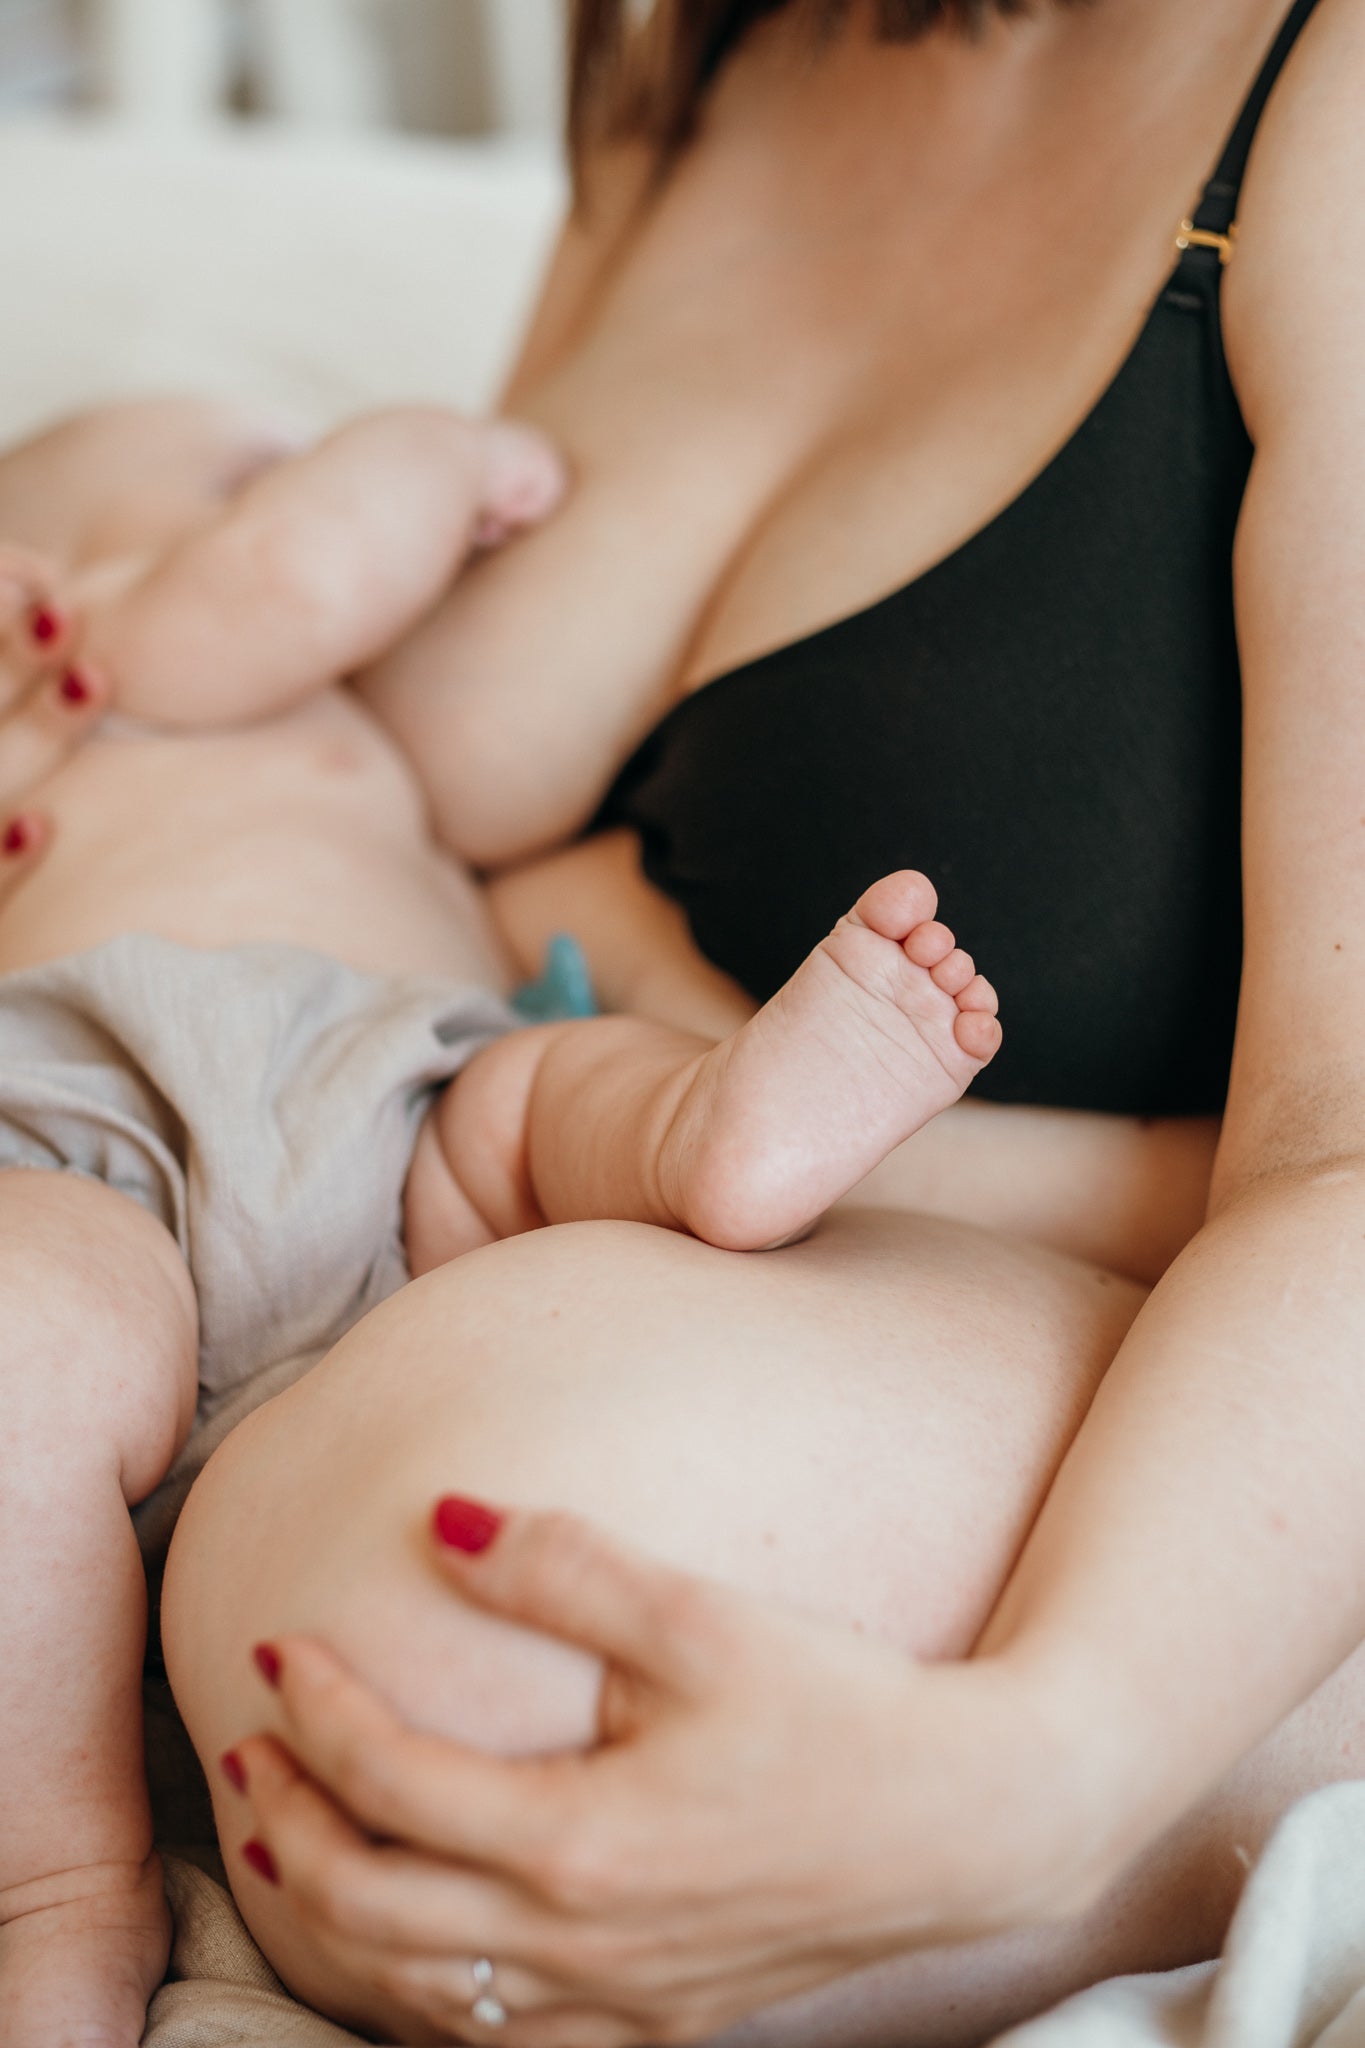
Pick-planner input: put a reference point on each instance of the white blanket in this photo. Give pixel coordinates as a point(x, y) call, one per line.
point(1293, 1968)
point(316, 276)
point(325, 279)
point(1293, 1975)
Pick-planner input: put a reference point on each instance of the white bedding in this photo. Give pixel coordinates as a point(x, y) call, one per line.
point(318, 276)
point(325, 278)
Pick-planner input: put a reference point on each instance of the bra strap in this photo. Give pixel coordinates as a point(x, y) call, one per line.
point(1214, 224)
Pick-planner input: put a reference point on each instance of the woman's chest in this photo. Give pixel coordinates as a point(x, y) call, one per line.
point(816, 370)
point(1065, 765)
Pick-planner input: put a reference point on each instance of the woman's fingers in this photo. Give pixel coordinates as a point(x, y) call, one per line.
point(38, 734)
point(371, 1892)
point(24, 839)
point(48, 701)
point(35, 738)
point(408, 1925)
point(400, 1782)
point(559, 1574)
point(35, 625)
point(438, 1992)
point(550, 1572)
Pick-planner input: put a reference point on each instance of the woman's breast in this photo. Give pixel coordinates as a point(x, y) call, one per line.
point(1048, 724)
point(308, 829)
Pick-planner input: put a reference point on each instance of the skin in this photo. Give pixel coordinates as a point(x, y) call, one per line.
point(784, 493)
point(1197, 1515)
point(205, 595)
point(290, 815)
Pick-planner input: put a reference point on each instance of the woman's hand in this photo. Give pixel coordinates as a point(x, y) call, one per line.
point(771, 1803)
point(49, 702)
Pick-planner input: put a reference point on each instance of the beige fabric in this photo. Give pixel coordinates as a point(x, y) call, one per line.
point(221, 1992)
point(261, 1101)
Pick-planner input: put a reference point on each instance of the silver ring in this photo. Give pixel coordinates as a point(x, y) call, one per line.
point(488, 2009)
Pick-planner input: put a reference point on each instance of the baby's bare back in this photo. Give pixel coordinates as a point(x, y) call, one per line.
point(307, 828)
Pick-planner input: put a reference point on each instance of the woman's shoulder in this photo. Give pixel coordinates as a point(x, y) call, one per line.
point(1301, 224)
point(613, 187)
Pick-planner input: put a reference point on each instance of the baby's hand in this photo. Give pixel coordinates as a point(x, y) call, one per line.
point(49, 703)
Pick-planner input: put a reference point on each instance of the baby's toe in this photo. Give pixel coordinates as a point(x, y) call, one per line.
point(897, 903)
point(929, 943)
point(977, 1033)
point(979, 995)
point(526, 480)
point(955, 972)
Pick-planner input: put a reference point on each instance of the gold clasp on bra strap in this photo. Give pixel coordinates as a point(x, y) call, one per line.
point(1191, 237)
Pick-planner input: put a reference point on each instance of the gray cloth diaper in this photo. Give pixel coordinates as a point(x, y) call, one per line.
point(262, 1101)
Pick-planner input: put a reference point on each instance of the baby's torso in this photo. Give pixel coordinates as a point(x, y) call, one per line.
point(308, 829)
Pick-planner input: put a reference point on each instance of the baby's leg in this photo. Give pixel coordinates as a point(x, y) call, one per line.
point(83, 506)
point(745, 1143)
point(97, 1389)
point(129, 479)
point(558, 1124)
point(318, 565)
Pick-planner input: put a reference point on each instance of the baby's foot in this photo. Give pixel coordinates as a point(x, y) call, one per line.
point(879, 1030)
point(526, 480)
point(80, 1971)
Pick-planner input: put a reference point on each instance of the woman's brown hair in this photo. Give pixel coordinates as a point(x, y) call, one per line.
point(646, 77)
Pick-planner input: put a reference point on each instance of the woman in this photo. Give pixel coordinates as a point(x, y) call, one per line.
point(800, 355)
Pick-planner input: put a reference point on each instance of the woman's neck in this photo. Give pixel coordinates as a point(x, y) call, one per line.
point(1105, 79)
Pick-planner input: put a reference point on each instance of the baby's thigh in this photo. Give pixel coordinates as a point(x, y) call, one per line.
point(863, 1424)
point(129, 478)
point(98, 1331)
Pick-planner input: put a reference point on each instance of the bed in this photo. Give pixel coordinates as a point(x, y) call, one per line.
point(323, 277)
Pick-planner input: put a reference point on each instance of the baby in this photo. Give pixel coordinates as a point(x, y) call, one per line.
point(235, 994)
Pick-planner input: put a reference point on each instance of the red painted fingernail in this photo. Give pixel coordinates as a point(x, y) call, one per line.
point(44, 624)
point(261, 1861)
point(465, 1524)
point(18, 837)
point(233, 1769)
point(75, 688)
point(267, 1662)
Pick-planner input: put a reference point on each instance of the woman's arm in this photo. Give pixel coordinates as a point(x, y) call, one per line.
point(639, 950)
point(613, 186)
point(1200, 1563)
point(544, 667)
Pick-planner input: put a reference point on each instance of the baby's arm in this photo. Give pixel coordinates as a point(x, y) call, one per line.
point(317, 565)
point(640, 953)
